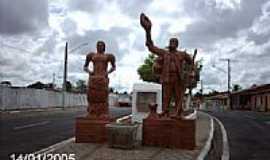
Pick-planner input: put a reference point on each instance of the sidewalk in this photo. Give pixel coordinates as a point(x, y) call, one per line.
point(89, 151)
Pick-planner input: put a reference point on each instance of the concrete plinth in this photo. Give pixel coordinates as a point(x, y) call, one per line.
point(122, 135)
point(91, 130)
point(172, 133)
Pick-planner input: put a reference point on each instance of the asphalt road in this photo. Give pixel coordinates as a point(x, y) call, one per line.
point(26, 132)
point(248, 134)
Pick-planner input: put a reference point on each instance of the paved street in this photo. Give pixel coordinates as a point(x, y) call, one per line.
point(27, 132)
point(248, 133)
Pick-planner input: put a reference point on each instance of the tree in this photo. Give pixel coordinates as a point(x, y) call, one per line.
point(145, 70)
point(236, 87)
point(6, 83)
point(198, 94)
point(213, 92)
point(81, 86)
point(68, 86)
point(37, 85)
point(111, 90)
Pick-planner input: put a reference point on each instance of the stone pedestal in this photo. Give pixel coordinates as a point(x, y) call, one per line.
point(89, 130)
point(122, 135)
point(168, 132)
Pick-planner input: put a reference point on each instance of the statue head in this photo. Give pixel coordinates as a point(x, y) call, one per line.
point(100, 47)
point(173, 44)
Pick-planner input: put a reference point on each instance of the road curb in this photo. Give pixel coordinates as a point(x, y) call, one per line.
point(65, 142)
point(54, 146)
point(202, 155)
point(226, 149)
point(225, 143)
point(206, 148)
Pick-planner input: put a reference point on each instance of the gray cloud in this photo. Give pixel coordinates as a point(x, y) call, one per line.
point(258, 39)
point(69, 27)
point(112, 38)
point(86, 5)
point(214, 23)
point(131, 7)
point(22, 16)
point(218, 31)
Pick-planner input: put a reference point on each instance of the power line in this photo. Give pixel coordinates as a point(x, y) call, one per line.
point(78, 47)
point(16, 48)
point(220, 69)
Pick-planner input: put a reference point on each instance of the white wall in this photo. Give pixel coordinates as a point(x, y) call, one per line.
point(22, 98)
point(25, 98)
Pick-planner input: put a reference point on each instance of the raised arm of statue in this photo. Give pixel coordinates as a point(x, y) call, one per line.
point(146, 24)
point(112, 61)
point(87, 61)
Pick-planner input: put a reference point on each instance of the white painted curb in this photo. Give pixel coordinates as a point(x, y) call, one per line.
point(226, 149)
point(63, 143)
point(208, 143)
point(55, 146)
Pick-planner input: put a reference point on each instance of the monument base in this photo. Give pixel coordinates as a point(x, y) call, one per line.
point(168, 132)
point(122, 135)
point(90, 130)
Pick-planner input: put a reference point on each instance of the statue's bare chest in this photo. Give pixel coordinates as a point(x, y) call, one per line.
point(100, 59)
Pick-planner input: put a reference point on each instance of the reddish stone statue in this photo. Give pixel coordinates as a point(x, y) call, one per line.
point(175, 71)
point(169, 66)
point(93, 127)
point(98, 84)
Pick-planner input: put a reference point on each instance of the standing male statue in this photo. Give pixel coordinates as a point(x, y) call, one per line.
point(98, 84)
point(170, 63)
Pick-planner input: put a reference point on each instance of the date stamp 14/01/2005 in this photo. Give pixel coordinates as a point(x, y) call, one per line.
point(49, 156)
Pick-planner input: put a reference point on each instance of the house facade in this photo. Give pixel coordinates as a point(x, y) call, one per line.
point(256, 98)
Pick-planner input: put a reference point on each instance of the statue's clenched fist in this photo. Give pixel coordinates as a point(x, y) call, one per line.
point(145, 22)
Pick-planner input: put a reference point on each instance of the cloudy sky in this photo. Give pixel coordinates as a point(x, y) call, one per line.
point(33, 35)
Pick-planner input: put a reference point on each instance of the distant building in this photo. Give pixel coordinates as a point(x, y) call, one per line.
point(256, 98)
point(216, 102)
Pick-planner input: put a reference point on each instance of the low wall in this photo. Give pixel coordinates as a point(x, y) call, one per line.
point(24, 98)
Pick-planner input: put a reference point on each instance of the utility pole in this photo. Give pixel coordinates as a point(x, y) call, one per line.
point(65, 75)
point(53, 81)
point(65, 68)
point(229, 72)
point(202, 87)
point(229, 80)
point(64, 88)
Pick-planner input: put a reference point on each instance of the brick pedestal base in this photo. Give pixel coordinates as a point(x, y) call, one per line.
point(91, 130)
point(172, 133)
